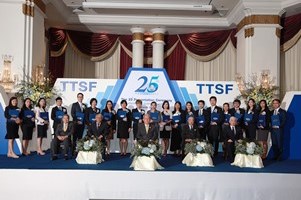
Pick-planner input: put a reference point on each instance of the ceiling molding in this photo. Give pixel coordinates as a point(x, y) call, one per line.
point(149, 20)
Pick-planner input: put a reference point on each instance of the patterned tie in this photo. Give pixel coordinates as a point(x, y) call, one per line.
point(65, 127)
point(146, 128)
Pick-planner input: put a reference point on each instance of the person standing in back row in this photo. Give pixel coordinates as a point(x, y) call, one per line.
point(216, 121)
point(78, 115)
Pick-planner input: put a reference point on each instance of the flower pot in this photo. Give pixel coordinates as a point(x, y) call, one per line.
point(88, 157)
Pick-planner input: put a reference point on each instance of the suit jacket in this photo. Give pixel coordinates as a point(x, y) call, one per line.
point(190, 133)
point(230, 135)
point(221, 115)
point(56, 121)
point(60, 130)
point(76, 108)
point(282, 117)
point(97, 131)
point(242, 111)
point(152, 132)
point(89, 111)
point(206, 115)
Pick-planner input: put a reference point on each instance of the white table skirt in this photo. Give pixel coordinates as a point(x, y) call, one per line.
point(145, 163)
point(91, 157)
point(198, 160)
point(252, 161)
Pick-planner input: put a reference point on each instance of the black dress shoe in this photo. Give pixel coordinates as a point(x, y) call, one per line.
point(54, 158)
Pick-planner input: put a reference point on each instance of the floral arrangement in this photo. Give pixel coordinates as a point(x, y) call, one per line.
point(89, 143)
point(257, 87)
point(248, 147)
point(196, 147)
point(36, 89)
point(145, 148)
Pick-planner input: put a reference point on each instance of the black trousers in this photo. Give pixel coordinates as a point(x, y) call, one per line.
point(203, 134)
point(230, 149)
point(55, 145)
point(213, 137)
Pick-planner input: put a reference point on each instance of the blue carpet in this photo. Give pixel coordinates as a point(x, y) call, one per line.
point(170, 163)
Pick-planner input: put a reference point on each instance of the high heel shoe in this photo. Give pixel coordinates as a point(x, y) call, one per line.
point(12, 156)
point(41, 153)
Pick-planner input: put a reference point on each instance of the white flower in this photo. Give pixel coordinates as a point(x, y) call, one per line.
point(151, 151)
point(91, 143)
point(203, 144)
point(86, 145)
point(153, 147)
point(149, 145)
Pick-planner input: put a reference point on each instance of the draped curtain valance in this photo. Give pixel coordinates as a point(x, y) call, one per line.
point(291, 31)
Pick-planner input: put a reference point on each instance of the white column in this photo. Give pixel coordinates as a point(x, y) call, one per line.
point(137, 47)
point(258, 46)
point(158, 47)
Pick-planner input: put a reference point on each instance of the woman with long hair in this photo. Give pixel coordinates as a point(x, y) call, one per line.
point(109, 116)
point(42, 124)
point(176, 135)
point(12, 113)
point(250, 119)
point(28, 124)
point(166, 126)
point(263, 126)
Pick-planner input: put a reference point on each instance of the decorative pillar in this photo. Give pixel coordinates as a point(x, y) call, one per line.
point(137, 47)
point(158, 47)
point(258, 45)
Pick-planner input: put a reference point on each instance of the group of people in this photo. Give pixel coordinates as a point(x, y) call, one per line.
point(174, 127)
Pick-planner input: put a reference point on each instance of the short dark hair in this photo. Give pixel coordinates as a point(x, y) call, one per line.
point(237, 100)
point(93, 99)
point(213, 97)
point(226, 104)
point(153, 102)
point(201, 101)
point(123, 101)
point(79, 94)
point(58, 98)
point(138, 101)
point(66, 115)
point(278, 100)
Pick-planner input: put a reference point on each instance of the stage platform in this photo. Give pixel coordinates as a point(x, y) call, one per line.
point(37, 177)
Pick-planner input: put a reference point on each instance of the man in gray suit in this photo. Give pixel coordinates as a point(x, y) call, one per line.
point(146, 130)
point(62, 135)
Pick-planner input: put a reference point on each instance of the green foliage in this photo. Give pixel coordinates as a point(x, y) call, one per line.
point(196, 146)
point(248, 147)
point(89, 143)
point(147, 148)
point(36, 90)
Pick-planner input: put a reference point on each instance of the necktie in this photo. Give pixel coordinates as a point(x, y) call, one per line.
point(233, 129)
point(190, 127)
point(275, 112)
point(146, 128)
point(212, 109)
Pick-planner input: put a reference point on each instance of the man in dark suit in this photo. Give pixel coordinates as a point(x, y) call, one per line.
point(232, 134)
point(77, 113)
point(237, 112)
point(215, 125)
point(62, 135)
point(146, 130)
point(100, 130)
point(278, 119)
point(190, 130)
point(57, 113)
point(137, 111)
point(202, 119)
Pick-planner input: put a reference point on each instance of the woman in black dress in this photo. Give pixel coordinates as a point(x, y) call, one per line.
point(42, 117)
point(263, 126)
point(166, 126)
point(109, 116)
point(250, 120)
point(91, 112)
point(176, 135)
point(124, 118)
point(189, 111)
point(28, 124)
point(13, 121)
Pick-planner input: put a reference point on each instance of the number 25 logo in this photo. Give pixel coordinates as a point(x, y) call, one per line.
point(151, 87)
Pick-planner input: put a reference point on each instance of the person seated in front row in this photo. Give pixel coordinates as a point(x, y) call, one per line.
point(62, 135)
point(147, 131)
point(99, 129)
point(233, 132)
point(190, 132)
